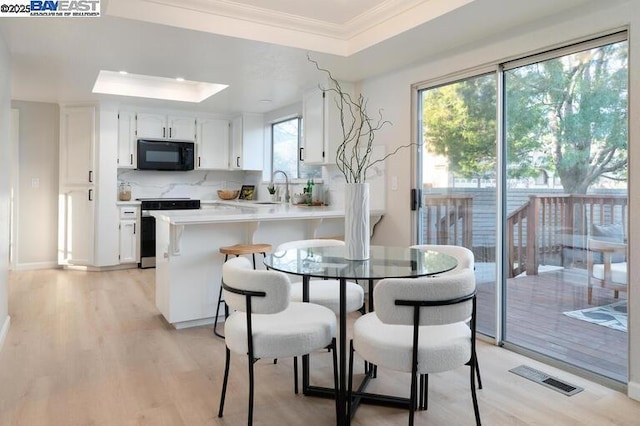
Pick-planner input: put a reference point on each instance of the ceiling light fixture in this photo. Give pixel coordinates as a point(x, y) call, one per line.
point(179, 79)
point(147, 86)
point(123, 72)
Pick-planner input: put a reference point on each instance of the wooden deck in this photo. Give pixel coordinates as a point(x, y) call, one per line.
point(535, 320)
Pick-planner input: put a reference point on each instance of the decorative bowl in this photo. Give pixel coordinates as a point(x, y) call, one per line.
point(228, 194)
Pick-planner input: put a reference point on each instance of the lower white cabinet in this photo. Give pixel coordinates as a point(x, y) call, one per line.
point(76, 217)
point(129, 235)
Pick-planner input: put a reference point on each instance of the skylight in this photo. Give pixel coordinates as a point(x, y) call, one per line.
point(147, 86)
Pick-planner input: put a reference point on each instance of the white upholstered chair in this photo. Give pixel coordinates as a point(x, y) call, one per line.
point(266, 324)
point(420, 326)
point(463, 255)
point(324, 292)
point(466, 260)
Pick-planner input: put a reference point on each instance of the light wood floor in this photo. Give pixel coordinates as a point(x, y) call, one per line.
point(87, 348)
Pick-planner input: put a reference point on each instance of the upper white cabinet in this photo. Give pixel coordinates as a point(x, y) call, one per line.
point(313, 112)
point(127, 139)
point(322, 125)
point(212, 143)
point(161, 126)
point(247, 147)
point(77, 146)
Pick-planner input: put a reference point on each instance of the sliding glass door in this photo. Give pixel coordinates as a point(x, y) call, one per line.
point(566, 194)
point(458, 180)
point(527, 166)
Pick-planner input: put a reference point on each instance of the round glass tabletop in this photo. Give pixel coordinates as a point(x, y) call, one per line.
point(384, 262)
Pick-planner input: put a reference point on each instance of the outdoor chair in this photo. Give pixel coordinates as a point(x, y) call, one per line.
point(419, 326)
point(607, 266)
point(266, 324)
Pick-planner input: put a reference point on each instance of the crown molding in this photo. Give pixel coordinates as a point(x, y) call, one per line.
point(227, 17)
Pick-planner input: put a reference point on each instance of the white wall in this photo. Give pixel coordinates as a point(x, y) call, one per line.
point(5, 119)
point(38, 158)
point(393, 93)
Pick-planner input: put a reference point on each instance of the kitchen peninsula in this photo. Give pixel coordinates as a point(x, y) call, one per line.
point(188, 261)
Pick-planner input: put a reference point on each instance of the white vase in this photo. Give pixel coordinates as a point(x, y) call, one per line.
point(356, 221)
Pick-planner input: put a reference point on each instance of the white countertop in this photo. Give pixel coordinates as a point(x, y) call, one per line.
point(247, 211)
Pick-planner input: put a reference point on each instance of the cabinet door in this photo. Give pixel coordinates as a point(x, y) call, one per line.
point(126, 140)
point(252, 142)
point(76, 216)
point(313, 115)
point(247, 147)
point(151, 126)
point(212, 143)
point(128, 241)
point(77, 145)
point(183, 128)
point(235, 159)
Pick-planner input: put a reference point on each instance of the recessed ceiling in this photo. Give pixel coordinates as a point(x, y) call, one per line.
point(122, 83)
point(339, 27)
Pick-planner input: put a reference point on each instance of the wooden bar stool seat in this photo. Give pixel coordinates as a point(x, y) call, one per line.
point(237, 250)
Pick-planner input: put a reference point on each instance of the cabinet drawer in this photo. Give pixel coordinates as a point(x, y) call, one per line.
point(129, 212)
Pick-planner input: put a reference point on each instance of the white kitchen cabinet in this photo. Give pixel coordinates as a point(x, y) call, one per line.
point(313, 111)
point(161, 126)
point(212, 143)
point(127, 140)
point(76, 236)
point(87, 213)
point(322, 131)
point(128, 241)
point(247, 147)
point(77, 146)
point(129, 234)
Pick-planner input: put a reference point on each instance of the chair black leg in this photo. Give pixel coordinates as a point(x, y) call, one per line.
point(350, 385)
point(295, 375)
point(425, 402)
point(421, 395)
point(226, 308)
point(478, 374)
point(225, 380)
point(251, 391)
point(334, 348)
point(215, 319)
point(476, 410)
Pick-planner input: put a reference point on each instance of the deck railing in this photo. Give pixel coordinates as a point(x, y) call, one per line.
point(547, 229)
point(448, 219)
point(557, 227)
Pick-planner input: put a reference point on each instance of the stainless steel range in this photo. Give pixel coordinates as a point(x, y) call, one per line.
point(148, 224)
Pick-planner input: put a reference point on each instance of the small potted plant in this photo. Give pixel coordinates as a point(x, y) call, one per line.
point(272, 191)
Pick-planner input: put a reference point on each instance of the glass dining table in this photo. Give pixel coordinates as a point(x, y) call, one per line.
point(330, 263)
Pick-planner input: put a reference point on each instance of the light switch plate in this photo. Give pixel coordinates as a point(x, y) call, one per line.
point(394, 183)
point(35, 182)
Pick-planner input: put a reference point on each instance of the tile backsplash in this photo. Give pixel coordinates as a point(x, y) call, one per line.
point(198, 184)
point(203, 185)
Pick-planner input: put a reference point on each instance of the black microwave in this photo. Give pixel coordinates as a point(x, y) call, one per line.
point(165, 155)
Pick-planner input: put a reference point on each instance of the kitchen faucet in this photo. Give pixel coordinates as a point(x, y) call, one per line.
point(287, 197)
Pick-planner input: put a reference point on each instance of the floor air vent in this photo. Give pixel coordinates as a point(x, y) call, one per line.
point(546, 380)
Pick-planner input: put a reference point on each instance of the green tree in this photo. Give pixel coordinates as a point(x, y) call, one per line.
point(567, 115)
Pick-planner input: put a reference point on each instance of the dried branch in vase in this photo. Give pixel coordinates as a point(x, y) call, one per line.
point(354, 153)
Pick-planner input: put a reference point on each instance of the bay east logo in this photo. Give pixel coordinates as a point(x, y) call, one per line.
point(65, 7)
